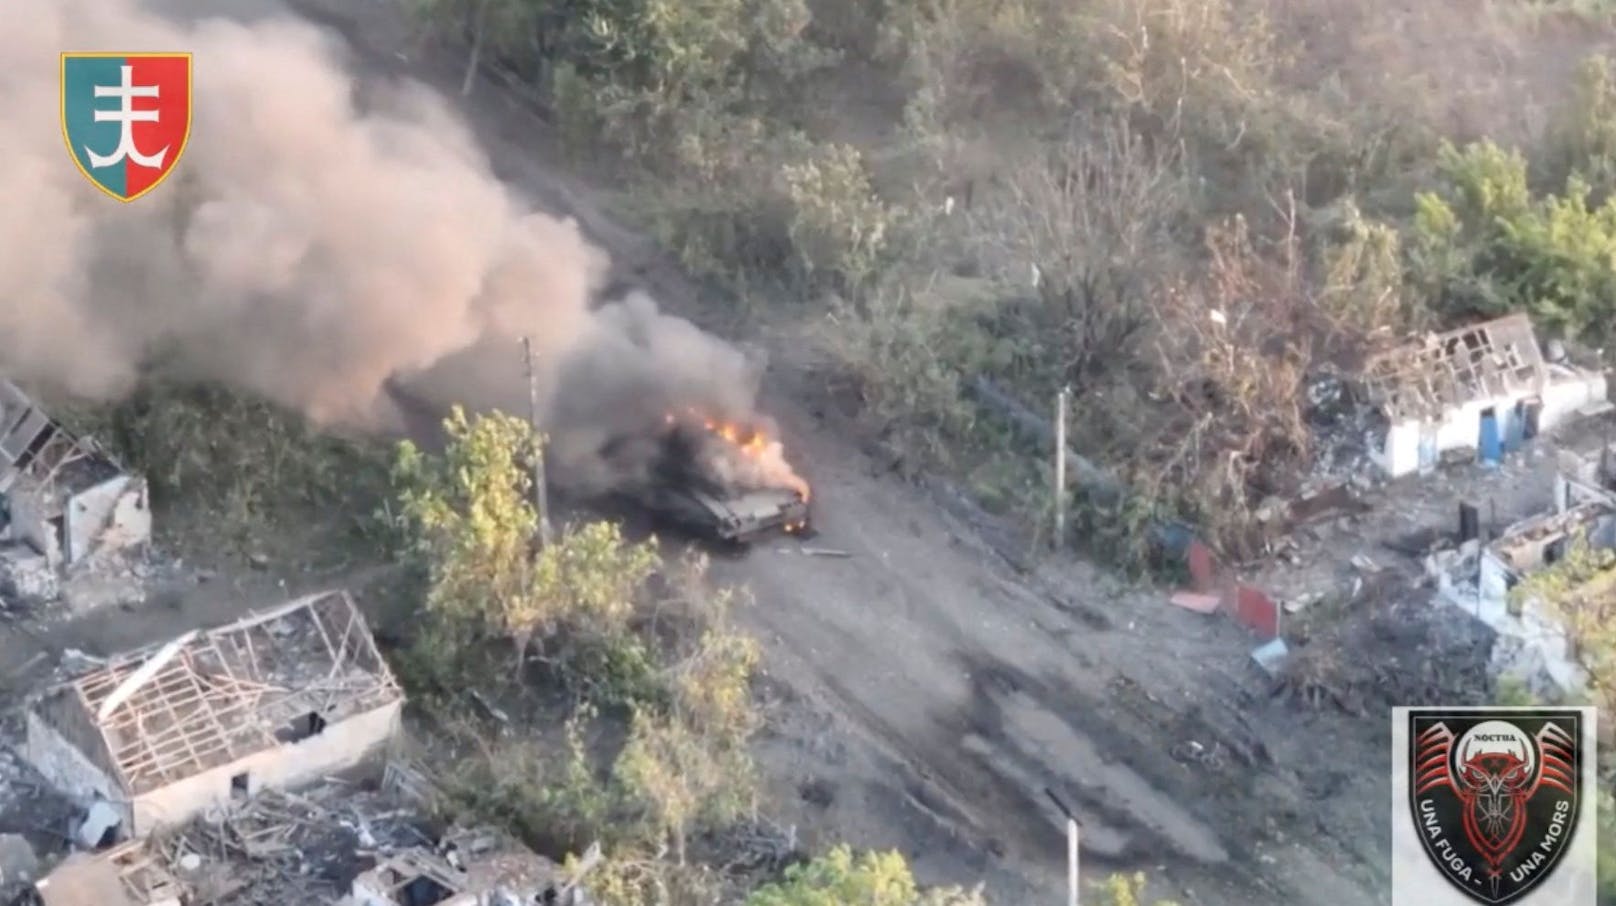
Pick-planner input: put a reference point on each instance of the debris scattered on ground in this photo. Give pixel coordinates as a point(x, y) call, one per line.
point(27, 576)
point(1199, 603)
point(824, 552)
point(1270, 656)
point(1301, 602)
point(101, 820)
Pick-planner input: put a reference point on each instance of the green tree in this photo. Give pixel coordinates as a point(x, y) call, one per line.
point(473, 527)
point(840, 878)
point(1485, 245)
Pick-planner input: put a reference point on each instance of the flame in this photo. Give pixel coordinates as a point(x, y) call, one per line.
point(765, 454)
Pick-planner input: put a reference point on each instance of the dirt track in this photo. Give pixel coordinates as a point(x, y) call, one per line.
point(930, 694)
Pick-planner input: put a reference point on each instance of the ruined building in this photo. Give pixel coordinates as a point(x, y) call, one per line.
point(275, 700)
point(129, 874)
point(478, 871)
point(1455, 390)
point(63, 500)
point(1533, 643)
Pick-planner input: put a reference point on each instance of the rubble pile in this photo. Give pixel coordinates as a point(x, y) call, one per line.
point(74, 525)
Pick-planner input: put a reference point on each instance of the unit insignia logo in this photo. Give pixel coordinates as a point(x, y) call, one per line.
point(126, 117)
point(1493, 795)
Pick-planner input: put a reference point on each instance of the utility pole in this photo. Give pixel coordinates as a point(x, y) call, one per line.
point(1060, 468)
point(1073, 830)
point(1071, 862)
point(540, 493)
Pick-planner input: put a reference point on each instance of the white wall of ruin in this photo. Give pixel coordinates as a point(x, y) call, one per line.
point(367, 891)
point(29, 524)
point(1460, 427)
point(109, 516)
point(1532, 646)
point(341, 745)
point(1569, 390)
point(67, 769)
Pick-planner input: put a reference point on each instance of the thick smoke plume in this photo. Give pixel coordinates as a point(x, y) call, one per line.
point(311, 248)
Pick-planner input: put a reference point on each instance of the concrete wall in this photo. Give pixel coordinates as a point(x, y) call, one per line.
point(109, 516)
point(1569, 391)
point(1566, 392)
point(341, 745)
point(29, 525)
point(68, 769)
point(1494, 584)
point(367, 891)
point(1571, 492)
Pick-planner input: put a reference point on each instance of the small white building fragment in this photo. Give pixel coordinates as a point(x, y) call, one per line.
point(126, 875)
point(1435, 394)
point(275, 700)
point(1582, 478)
point(1532, 644)
point(65, 499)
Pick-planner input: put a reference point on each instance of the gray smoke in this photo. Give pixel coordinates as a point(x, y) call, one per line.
point(309, 248)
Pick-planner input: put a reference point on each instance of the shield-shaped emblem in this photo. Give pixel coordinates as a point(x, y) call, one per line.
point(126, 117)
point(1494, 795)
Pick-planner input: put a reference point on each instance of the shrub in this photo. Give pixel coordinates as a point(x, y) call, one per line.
point(841, 231)
point(251, 464)
point(1231, 348)
point(1484, 245)
point(475, 529)
point(1077, 245)
point(1583, 142)
point(840, 878)
point(1362, 287)
point(1126, 890)
point(906, 353)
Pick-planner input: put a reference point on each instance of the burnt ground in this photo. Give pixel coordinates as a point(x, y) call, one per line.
point(929, 691)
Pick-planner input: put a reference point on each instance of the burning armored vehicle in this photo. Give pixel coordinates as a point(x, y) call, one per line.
point(725, 481)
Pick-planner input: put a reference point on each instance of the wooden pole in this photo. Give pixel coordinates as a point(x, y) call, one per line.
point(1071, 861)
point(1073, 829)
point(1060, 468)
point(541, 501)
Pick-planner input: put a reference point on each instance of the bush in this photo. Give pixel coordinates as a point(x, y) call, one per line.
point(1077, 245)
point(1484, 245)
point(1231, 349)
point(841, 232)
point(475, 530)
point(906, 354)
point(1126, 890)
point(248, 465)
point(678, 669)
point(839, 878)
point(1362, 289)
point(1584, 138)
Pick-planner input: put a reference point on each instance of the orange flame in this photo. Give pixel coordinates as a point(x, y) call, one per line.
point(768, 454)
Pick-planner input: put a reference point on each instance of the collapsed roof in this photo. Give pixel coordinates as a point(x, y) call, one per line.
point(1490, 360)
point(164, 713)
point(37, 449)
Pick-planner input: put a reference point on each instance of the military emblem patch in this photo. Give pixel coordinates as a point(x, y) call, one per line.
point(126, 117)
point(1494, 795)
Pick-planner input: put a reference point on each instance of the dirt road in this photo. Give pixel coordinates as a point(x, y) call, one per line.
point(930, 697)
